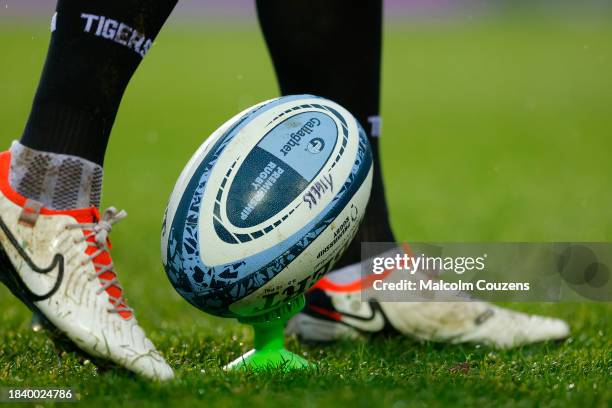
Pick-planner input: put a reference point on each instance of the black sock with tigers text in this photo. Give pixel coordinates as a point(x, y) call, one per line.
point(95, 49)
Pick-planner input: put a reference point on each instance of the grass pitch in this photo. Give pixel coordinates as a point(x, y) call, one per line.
point(494, 131)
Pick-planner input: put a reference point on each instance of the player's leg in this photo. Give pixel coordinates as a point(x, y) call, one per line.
point(95, 49)
point(332, 48)
point(53, 255)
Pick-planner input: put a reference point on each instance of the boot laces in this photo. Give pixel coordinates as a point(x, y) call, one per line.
point(99, 232)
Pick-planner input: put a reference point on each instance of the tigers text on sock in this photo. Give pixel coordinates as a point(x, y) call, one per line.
point(116, 31)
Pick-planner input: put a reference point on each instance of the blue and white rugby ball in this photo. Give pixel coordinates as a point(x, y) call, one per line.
point(266, 205)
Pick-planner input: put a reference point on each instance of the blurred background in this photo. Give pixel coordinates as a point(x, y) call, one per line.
point(395, 9)
point(497, 120)
point(497, 127)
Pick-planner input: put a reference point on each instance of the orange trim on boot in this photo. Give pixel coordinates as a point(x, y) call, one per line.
point(358, 284)
point(81, 215)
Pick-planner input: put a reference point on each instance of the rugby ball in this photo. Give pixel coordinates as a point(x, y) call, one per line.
point(266, 205)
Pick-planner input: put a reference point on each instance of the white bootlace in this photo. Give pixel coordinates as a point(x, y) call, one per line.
point(100, 230)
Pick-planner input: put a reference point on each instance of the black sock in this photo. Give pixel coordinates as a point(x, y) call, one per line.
point(332, 48)
point(96, 46)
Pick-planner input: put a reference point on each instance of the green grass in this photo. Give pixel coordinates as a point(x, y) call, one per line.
point(494, 131)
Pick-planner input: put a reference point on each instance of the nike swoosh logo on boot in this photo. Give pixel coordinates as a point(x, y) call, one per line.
point(58, 261)
point(374, 323)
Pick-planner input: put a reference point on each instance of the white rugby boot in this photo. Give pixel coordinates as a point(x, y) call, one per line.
point(334, 310)
point(58, 264)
